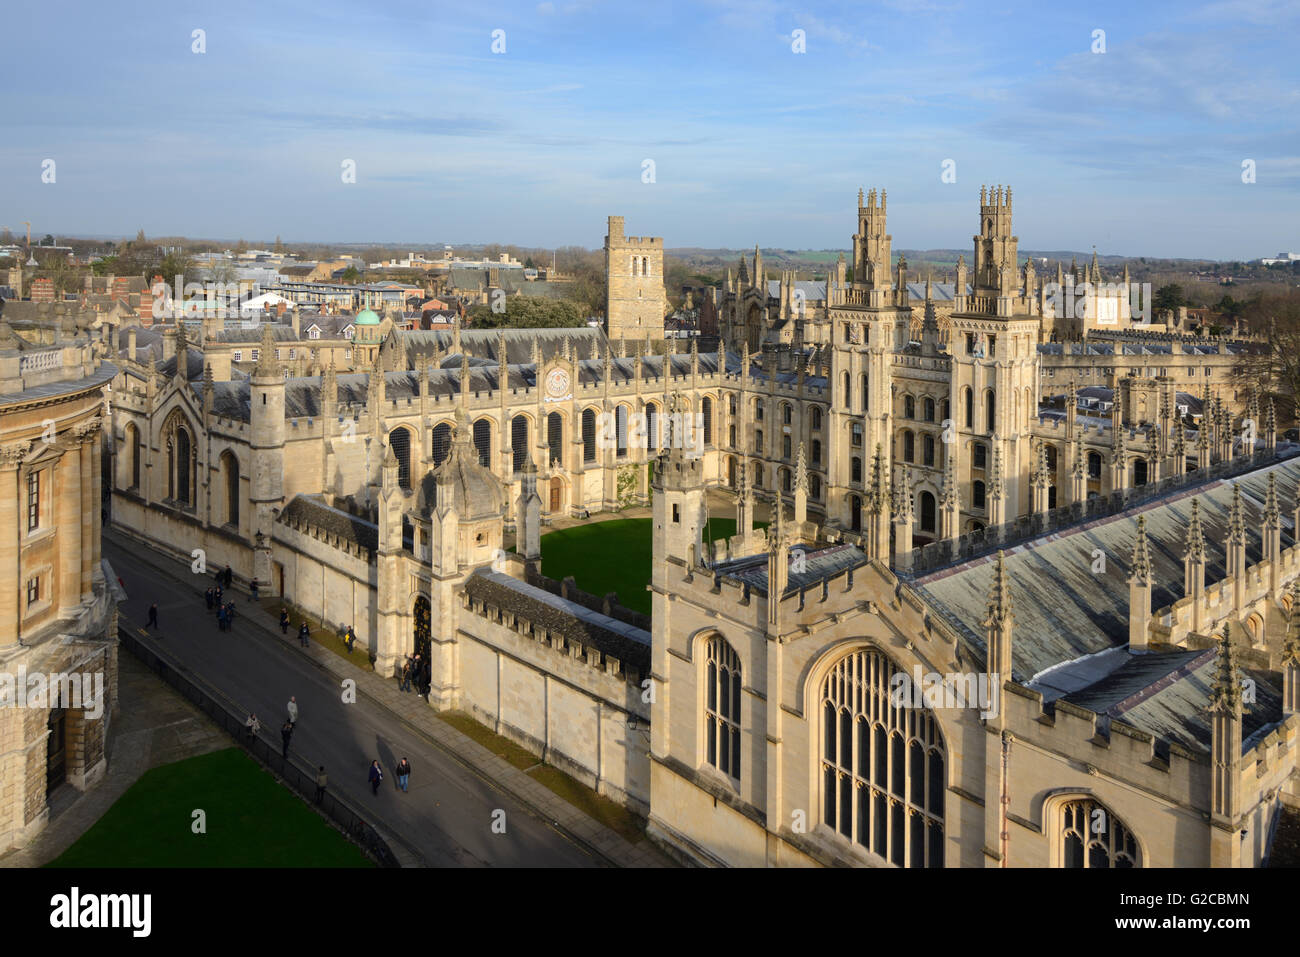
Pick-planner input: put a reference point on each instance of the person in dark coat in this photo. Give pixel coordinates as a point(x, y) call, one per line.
point(285, 734)
point(230, 612)
point(304, 633)
point(252, 590)
point(406, 674)
point(230, 576)
point(284, 621)
point(426, 680)
point(349, 638)
point(207, 597)
point(216, 594)
point(403, 773)
point(376, 776)
point(153, 615)
point(221, 618)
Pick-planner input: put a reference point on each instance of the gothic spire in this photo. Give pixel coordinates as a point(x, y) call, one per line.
point(1195, 545)
point(1236, 518)
point(1272, 512)
point(1225, 693)
point(999, 606)
point(1140, 563)
point(801, 471)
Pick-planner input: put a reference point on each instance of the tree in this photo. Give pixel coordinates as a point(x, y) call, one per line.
point(351, 274)
point(279, 246)
point(139, 237)
point(47, 241)
point(1275, 369)
point(1169, 297)
point(530, 312)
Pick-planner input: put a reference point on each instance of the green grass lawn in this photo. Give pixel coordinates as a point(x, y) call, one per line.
point(252, 821)
point(612, 556)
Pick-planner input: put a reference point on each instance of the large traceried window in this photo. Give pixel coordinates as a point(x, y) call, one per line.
point(722, 707)
point(1093, 837)
point(883, 778)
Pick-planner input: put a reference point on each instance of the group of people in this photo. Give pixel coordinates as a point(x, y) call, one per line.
point(304, 629)
point(225, 610)
point(416, 673)
point(403, 772)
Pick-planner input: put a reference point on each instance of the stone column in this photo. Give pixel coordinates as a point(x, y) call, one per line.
point(66, 473)
point(11, 456)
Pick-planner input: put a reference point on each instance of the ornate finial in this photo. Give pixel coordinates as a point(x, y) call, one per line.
point(903, 496)
point(996, 486)
point(1291, 643)
point(266, 365)
point(1140, 564)
point(1236, 518)
point(999, 607)
point(948, 493)
point(1194, 549)
point(1272, 512)
point(1042, 476)
point(1225, 693)
point(801, 471)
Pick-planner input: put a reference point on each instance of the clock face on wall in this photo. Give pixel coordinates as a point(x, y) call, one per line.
point(557, 384)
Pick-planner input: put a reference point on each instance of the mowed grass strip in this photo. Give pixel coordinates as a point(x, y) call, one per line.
point(252, 821)
point(612, 556)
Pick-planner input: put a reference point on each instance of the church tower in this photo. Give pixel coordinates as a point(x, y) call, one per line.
point(869, 320)
point(635, 301)
point(994, 383)
point(266, 444)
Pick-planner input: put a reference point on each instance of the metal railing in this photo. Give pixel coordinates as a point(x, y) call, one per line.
point(357, 828)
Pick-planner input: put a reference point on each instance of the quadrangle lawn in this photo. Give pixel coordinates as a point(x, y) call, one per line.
point(252, 821)
point(612, 556)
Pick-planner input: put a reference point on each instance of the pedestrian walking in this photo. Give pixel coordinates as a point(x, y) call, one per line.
point(222, 620)
point(406, 674)
point(320, 784)
point(230, 576)
point(293, 711)
point(153, 616)
point(216, 595)
point(252, 590)
point(403, 773)
point(285, 734)
point(304, 633)
point(230, 613)
point(426, 680)
point(207, 597)
point(253, 726)
point(349, 638)
point(284, 621)
point(376, 776)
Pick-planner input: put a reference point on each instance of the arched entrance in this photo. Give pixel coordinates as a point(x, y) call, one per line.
point(557, 494)
point(421, 618)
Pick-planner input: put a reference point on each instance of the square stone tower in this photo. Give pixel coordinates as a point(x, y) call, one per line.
point(635, 301)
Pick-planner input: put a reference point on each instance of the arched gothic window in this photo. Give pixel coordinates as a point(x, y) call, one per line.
point(722, 707)
point(399, 440)
point(555, 436)
point(483, 441)
point(883, 763)
point(588, 435)
point(518, 442)
point(441, 443)
point(1091, 836)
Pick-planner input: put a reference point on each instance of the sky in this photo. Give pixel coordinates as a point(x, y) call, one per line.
point(1137, 150)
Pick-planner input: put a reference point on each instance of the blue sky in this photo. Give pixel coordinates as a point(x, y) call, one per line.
point(1137, 150)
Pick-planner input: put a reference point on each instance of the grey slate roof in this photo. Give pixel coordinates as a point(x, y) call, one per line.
point(575, 622)
point(1063, 611)
point(484, 343)
point(818, 565)
point(312, 512)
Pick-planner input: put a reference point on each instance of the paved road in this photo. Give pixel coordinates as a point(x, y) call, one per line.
point(446, 816)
